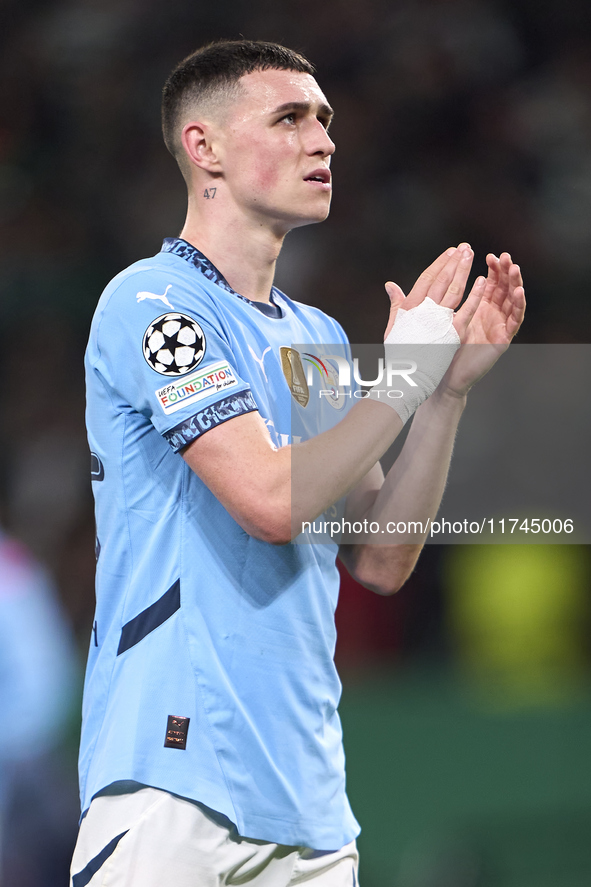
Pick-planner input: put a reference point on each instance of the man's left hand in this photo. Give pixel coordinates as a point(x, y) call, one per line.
point(494, 324)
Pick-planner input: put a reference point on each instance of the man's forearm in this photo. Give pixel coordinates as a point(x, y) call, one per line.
point(328, 466)
point(414, 485)
point(410, 494)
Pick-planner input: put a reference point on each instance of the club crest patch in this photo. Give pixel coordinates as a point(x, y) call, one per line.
point(174, 344)
point(293, 370)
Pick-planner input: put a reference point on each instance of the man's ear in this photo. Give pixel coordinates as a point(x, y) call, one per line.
point(197, 140)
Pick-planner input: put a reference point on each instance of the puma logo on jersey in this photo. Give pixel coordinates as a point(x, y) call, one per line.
point(260, 360)
point(141, 296)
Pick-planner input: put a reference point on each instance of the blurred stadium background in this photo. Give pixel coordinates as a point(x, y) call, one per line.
point(467, 708)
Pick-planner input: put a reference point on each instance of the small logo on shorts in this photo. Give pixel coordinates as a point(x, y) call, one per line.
point(176, 732)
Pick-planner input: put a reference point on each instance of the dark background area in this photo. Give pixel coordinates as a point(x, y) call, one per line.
point(455, 120)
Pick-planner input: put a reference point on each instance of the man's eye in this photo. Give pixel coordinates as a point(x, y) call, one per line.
point(289, 118)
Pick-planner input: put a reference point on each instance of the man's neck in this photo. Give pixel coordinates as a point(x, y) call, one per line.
point(244, 253)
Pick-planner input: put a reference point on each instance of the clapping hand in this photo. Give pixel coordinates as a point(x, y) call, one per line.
point(490, 316)
point(493, 325)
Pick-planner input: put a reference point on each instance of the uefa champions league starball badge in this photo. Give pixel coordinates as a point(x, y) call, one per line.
point(174, 344)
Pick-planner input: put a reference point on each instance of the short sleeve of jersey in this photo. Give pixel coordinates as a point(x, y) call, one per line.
point(158, 346)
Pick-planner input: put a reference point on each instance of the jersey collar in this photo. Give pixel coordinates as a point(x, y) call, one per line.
point(195, 257)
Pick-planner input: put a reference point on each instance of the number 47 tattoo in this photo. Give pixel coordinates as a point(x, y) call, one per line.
point(209, 193)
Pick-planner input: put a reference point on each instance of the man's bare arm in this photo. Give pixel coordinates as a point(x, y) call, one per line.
point(411, 492)
point(253, 479)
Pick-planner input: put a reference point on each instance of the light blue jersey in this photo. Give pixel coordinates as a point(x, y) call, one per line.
point(211, 671)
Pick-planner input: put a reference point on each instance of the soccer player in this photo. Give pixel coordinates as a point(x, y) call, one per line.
point(211, 748)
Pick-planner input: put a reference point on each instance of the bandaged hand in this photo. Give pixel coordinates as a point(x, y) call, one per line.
point(418, 351)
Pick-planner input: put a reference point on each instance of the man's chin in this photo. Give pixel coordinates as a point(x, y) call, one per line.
point(311, 219)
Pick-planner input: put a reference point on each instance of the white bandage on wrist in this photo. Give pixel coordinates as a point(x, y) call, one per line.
point(419, 349)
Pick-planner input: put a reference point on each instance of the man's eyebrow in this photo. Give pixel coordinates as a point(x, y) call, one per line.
point(323, 109)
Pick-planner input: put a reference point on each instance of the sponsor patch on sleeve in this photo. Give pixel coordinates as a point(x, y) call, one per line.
point(205, 381)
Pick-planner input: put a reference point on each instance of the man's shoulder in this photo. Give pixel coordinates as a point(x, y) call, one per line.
point(152, 287)
point(152, 291)
point(154, 280)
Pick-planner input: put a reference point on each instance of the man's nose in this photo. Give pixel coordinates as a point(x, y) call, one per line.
point(319, 141)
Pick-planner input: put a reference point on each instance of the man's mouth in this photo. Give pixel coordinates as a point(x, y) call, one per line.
point(320, 176)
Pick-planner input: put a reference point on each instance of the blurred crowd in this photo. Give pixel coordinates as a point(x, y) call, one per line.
point(455, 120)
